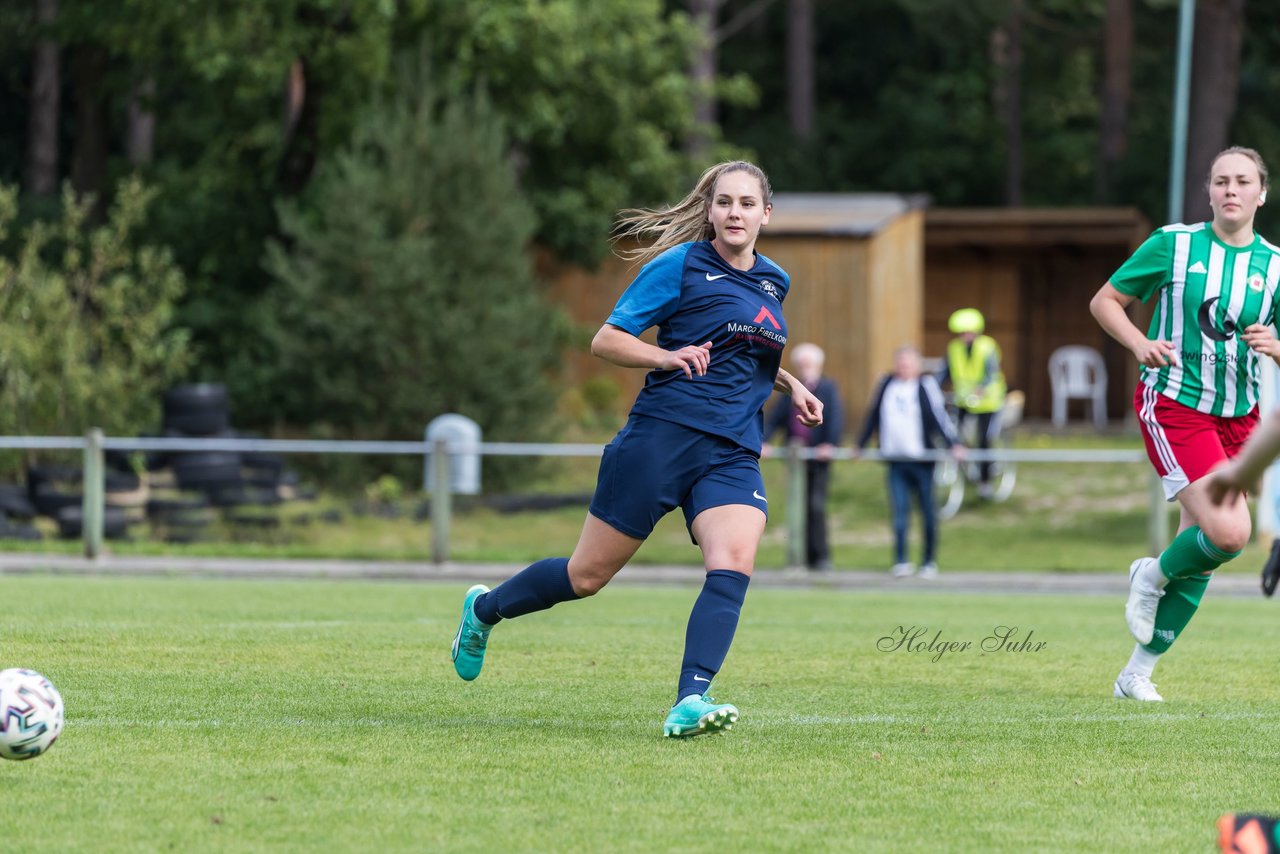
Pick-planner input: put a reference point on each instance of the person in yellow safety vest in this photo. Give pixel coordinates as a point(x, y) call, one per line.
point(977, 383)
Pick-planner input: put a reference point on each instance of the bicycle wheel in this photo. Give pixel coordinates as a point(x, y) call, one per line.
point(1004, 473)
point(1005, 479)
point(948, 488)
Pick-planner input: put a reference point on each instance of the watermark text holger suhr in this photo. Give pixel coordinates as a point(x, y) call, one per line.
point(920, 639)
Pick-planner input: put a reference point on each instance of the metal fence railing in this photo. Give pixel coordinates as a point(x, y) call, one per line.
point(93, 445)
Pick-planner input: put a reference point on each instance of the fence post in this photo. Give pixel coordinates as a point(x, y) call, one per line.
point(91, 508)
point(1157, 517)
point(796, 504)
point(440, 501)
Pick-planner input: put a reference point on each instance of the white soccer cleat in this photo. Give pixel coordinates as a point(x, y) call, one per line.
point(929, 570)
point(1146, 586)
point(903, 570)
point(1136, 686)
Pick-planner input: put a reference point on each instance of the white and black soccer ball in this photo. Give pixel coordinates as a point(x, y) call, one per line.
point(30, 714)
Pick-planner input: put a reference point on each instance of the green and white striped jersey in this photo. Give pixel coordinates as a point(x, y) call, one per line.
point(1208, 292)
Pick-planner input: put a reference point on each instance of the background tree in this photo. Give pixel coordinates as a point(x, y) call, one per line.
point(404, 287)
point(1215, 83)
point(800, 61)
point(86, 316)
point(46, 95)
point(596, 98)
point(1117, 85)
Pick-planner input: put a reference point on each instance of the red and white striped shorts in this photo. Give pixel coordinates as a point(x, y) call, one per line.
point(1185, 444)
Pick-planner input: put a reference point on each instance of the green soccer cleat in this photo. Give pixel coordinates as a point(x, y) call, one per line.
point(696, 715)
point(472, 637)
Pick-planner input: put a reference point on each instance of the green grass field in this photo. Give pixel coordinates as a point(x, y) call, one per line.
point(325, 716)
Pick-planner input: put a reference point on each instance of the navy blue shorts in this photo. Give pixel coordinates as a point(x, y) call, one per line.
point(653, 466)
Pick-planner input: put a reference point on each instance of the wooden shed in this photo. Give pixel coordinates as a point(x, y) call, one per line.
point(856, 263)
point(1032, 272)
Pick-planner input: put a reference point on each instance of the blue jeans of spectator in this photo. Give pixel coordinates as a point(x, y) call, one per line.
point(908, 481)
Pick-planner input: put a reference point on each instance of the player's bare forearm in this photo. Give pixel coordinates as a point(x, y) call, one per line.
point(627, 351)
point(783, 382)
point(624, 349)
point(1108, 308)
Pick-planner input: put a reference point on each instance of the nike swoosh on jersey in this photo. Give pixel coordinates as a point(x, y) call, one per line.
point(711, 278)
point(755, 493)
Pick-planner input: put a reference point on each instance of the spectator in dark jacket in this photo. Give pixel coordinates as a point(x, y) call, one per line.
point(908, 412)
point(807, 361)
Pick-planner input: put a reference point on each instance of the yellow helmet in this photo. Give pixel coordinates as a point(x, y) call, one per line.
point(966, 320)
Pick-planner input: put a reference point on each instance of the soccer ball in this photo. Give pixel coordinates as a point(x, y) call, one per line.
point(30, 714)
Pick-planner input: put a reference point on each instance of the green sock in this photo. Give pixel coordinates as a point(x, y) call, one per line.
point(1191, 553)
point(1181, 599)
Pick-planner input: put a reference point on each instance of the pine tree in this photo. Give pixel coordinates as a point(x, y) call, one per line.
point(405, 287)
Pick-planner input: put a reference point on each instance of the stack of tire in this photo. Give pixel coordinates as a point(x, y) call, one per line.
point(16, 513)
point(57, 492)
point(208, 479)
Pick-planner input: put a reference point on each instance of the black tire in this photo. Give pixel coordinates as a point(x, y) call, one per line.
point(15, 502)
point(198, 423)
point(120, 481)
point(65, 476)
point(202, 409)
point(71, 523)
point(167, 508)
point(26, 533)
point(207, 470)
point(49, 501)
point(197, 397)
point(118, 461)
point(261, 478)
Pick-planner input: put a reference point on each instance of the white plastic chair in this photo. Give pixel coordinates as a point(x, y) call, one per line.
point(1080, 373)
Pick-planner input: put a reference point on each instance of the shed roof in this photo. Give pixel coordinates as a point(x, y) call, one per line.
point(852, 214)
point(1085, 226)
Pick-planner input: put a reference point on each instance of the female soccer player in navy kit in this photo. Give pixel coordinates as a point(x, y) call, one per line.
point(694, 435)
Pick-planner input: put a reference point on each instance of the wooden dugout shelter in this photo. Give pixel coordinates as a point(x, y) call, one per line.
point(872, 271)
point(1032, 272)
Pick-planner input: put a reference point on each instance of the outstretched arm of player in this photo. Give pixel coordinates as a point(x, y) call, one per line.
point(627, 351)
point(805, 401)
point(1244, 471)
point(1108, 308)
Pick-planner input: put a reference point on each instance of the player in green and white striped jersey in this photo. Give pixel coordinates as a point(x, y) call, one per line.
point(1215, 289)
point(1207, 290)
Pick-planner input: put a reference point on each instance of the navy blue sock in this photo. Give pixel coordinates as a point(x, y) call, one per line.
point(712, 622)
point(535, 588)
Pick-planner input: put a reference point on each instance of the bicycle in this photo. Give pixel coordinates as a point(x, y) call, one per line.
point(950, 477)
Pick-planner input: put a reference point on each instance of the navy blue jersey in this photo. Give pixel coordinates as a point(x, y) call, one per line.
point(694, 296)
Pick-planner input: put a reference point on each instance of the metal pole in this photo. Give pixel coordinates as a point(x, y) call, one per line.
point(1158, 517)
point(440, 501)
point(91, 508)
point(1181, 109)
point(795, 506)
